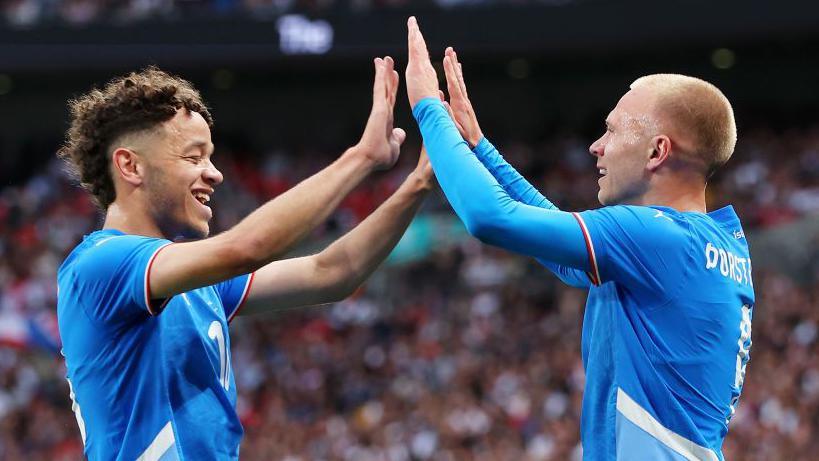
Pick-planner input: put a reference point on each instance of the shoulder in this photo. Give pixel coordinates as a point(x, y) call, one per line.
point(639, 222)
point(102, 252)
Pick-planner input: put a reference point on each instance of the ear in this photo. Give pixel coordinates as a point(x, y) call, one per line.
point(127, 166)
point(660, 150)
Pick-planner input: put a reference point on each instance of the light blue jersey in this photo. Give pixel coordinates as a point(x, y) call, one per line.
point(666, 333)
point(667, 327)
point(150, 380)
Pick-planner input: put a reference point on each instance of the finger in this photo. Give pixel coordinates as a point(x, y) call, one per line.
point(391, 80)
point(449, 109)
point(389, 65)
point(395, 79)
point(442, 96)
point(379, 85)
point(417, 45)
point(399, 135)
point(460, 73)
point(455, 120)
point(452, 84)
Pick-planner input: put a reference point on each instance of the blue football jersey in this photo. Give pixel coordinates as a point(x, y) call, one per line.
point(149, 379)
point(666, 333)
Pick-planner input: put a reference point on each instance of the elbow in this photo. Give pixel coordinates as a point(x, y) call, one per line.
point(337, 280)
point(485, 227)
point(241, 255)
point(340, 292)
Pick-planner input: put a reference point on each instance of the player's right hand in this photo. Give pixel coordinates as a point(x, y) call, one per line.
point(422, 81)
point(459, 106)
point(381, 142)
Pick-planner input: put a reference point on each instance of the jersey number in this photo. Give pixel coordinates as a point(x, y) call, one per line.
point(215, 332)
point(77, 412)
point(743, 355)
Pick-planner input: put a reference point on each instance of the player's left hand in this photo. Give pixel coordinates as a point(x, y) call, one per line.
point(381, 142)
point(422, 81)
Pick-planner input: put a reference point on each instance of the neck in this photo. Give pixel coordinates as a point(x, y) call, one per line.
point(131, 220)
point(681, 194)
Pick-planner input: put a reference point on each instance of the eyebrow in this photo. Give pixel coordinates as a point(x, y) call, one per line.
point(200, 145)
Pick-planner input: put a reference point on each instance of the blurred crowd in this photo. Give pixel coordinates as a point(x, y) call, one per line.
point(469, 353)
point(26, 13)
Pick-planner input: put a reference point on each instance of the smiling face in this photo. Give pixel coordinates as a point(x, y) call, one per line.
point(179, 177)
point(625, 148)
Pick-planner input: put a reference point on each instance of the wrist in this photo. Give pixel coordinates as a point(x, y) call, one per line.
point(361, 157)
point(419, 182)
point(475, 139)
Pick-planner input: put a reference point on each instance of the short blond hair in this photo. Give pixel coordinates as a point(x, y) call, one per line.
point(701, 113)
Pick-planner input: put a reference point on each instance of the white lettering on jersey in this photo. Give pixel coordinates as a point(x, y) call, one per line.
point(730, 265)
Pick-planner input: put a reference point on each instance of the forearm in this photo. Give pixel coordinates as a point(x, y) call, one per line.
point(486, 209)
point(513, 182)
point(468, 186)
point(521, 190)
point(353, 257)
point(276, 226)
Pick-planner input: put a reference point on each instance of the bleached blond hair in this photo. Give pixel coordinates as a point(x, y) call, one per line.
point(698, 111)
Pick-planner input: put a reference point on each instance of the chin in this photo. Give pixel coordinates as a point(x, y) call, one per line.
point(195, 232)
point(601, 197)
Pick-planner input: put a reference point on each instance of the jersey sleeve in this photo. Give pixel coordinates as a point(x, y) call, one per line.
point(233, 293)
point(523, 191)
point(644, 248)
point(486, 209)
point(115, 274)
point(513, 182)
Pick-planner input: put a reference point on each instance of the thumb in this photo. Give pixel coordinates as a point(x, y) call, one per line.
point(455, 120)
point(399, 135)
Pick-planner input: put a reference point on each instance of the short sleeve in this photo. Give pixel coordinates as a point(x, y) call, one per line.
point(233, 293)
point(643, 248)
point(114, 274)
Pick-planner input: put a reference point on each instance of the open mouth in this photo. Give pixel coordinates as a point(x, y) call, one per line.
point(201, 197)
point(603, 171)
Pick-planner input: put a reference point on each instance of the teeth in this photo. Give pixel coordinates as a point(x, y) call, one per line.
point(603, 171)
point(201, 197)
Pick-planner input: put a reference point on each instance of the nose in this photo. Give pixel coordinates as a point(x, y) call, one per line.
point(212, 175)
point(598, 147)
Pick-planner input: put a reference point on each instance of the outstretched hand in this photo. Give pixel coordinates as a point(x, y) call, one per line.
point(459, 106)
point(422, 81)
point(381, 142)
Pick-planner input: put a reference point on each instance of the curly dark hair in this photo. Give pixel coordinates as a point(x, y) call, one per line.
point(136, 102)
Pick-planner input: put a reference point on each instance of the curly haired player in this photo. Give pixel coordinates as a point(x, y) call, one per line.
point(144, 320)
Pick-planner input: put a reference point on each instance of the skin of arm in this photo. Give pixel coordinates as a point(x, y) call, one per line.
point(275, 227)
point(336, 272)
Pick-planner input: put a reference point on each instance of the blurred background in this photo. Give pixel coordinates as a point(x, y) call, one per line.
point(453, 350)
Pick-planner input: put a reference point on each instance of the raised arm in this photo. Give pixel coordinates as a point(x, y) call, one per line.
point(462, 112)
point(337, 271)
point(486, 209)
point(275, 227)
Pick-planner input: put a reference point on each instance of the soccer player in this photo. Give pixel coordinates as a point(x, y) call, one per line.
point(144, 321)
point(667, 326)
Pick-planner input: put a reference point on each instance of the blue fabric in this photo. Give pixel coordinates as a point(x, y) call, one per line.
point(635, 444)
point(668, 319)
point(133, 372)
point(521, 190)
point(485, 207)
